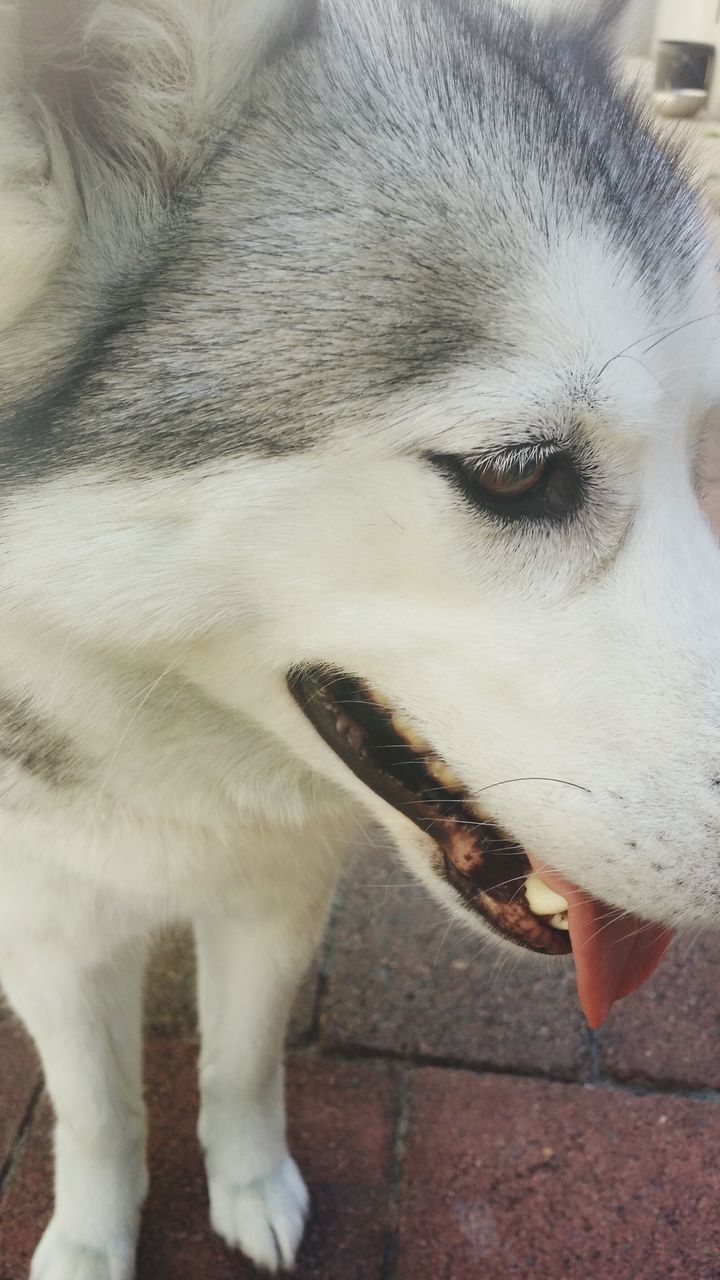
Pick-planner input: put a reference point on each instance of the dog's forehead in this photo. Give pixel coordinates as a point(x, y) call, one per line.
point(465, 194)
point(581, 346)
point(420, 198)
point(475, 111)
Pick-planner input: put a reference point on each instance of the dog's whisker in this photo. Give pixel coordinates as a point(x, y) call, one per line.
point(563, 782)
point(635, 933)
point(611, 918)
point(443, 940)
point(393, 884)
point(687, 324)
point(652, 375)
point(667, 332)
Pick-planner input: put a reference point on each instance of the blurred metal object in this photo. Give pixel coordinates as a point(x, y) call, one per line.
point(679, 102)
point(683, 64)
point(683, 72)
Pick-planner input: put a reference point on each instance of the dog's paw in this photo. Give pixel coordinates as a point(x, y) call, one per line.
point(264, 1218)
point(58, 1258)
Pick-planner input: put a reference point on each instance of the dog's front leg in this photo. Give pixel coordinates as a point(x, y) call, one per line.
point(85, 1018)
point(248, 973)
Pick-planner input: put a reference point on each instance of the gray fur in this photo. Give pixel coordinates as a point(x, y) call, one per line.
point(361, 224)
point(33, 744)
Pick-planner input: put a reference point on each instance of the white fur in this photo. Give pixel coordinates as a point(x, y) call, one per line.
point(174, 64)
point(153, 619)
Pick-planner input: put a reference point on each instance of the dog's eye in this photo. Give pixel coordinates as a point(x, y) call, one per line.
point(512, 478)
point(517, 484)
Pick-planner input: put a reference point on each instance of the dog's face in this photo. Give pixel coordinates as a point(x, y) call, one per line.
point(504, 623)
point(496, 594)
point(440, 331)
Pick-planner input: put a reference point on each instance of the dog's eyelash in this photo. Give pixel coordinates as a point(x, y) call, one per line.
point(506, 458)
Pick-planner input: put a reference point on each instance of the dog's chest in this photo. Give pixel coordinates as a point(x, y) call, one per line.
point(138, 780)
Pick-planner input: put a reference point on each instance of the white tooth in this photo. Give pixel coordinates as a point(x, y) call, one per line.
point(559, 920)
point(542, 900)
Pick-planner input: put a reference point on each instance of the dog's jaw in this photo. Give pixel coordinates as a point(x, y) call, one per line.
point(475, 856)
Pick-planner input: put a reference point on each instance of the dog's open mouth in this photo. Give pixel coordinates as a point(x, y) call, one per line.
point(480, 860)
point(614, 951)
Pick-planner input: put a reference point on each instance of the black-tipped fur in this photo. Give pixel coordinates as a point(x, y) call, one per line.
point(379, 174)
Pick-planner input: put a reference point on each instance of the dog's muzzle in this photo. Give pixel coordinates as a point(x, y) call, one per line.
point(483, 863)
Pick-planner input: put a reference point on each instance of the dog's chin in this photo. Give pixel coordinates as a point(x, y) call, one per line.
point(482, 863)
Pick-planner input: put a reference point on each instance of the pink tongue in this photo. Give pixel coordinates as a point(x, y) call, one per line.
point(614, 953)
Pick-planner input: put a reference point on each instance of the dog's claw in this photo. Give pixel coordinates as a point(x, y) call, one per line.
point(264, 1218)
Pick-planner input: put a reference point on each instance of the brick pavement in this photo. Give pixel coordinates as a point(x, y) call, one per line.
point(454, 1121)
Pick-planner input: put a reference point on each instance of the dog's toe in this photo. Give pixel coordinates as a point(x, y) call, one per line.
point(264, 1218)
point(59, 1258)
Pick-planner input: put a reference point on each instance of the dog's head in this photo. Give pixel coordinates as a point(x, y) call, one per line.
point(414, 373)
point(489, 336)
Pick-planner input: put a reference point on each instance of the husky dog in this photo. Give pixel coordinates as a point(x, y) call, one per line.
point(353, 355)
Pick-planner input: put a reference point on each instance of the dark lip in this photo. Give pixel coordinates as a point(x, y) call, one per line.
point(483, 863)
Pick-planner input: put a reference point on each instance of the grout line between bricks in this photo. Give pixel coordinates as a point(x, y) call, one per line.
point(327, 957)
point(362, 1053)
point(388, 1266)
point(657, 1089)
point(10, 1165)
point(397, 1057)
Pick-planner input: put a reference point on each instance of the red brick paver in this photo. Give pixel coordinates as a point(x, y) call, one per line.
point(341, 1130)
point(402, 981)
point(26, 1206)
point(496, 1177)
point(516, 1178)
point(669, 1031)
point(19, 1078)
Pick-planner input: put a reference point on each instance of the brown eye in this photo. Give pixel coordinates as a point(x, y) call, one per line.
point(511, 478)
point(517, 485)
